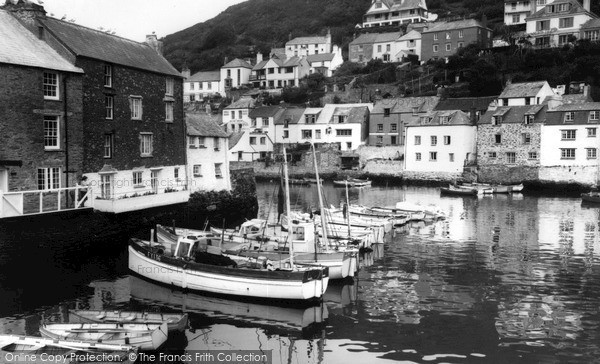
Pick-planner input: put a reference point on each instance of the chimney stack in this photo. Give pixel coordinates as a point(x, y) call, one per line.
point(587, 6)
point(26, 11)
point(154, 43)
point(185, 72)
point(554, 101)
point(259, 57)
point(533, 7)
point(226, 60)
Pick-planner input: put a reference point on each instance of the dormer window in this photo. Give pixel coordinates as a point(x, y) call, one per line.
point(497, 120)
point(529, 119)
point(415, 110)
point(444, 119)
point(386, 112)
point(569, 116)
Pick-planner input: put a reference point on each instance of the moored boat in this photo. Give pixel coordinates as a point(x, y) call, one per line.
point(198, 266)
point(353, 182)
point(591, 197)
point(142, 336)
point(175, 321)
point(30, 349)
point(452, 190)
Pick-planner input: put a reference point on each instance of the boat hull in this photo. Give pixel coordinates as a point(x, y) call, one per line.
point(265, 284)
point(458, 191)
point(175, 322)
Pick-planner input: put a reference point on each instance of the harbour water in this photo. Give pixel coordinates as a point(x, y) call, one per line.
point(505, 278)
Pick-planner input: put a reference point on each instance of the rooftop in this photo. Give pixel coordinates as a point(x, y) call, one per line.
point(205, 76)
point(370, 38)
point(524, 89)
point(291, 115)
point(204, 125)
point(265, 111)
point(308, 40)
point(465, 103)
point(21, 47)
point(575, 8)
point(453, 25)
point(515, 114)
point(243, 103)
point(237, 63)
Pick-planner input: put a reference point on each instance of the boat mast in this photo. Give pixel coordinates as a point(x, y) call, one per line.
point(288, 210)
point(348, 211)
point(323, 220)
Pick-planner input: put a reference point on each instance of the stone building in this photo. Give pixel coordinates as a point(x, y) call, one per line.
point(41, 124)
point(443, 39)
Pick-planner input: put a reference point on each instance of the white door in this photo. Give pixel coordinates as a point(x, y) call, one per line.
point(3, 179)
point(154, 181)
point(106, 186)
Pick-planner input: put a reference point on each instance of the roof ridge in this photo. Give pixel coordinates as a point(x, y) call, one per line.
point(96, 30)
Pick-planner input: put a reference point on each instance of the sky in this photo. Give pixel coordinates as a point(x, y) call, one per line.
point(134, 19)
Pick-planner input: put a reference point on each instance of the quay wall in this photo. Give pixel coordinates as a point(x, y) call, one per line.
point(496, 173)
point(571, 175)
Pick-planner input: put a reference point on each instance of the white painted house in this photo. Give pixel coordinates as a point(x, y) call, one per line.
point(553, 25)
point(306, 46)
point(207, 154)
point(202, 84)
point(516, 11)
point(236, 117)
point(235, 74)
point(525, 93)
point(343, 124)
point(395, 12)
point(325, 63)
point(279, 71)
point(409, 43)
point(570, 142)
point(440, 142)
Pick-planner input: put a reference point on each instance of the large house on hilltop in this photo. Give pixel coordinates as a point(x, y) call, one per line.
point(235, 74)
point(306, 46)
point(516, 11)
point(395, 12)
point(443, 39)
point(133, 107)
point(558, 22)
point(41, 121)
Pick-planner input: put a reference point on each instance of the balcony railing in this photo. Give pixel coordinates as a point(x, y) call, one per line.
point(35, 202)
point(133, 201)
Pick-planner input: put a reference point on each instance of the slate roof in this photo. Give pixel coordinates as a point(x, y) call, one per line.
point(234, 138)
point(243, 103)
point(371, 38)
point(203, 125)
point(356, 115)
point(581, 114)
point(453, 25)
point(412, 35)
point(592, 23)
point(524, 89)
point(398, 5)
point(260, 65)
point(455, 117)
point(320, 57)
point(265, 111)
point(406, 104)
point(576, 99)
point(21, 47)
point(329, 110)
point(588, 106)
point(515, 114)
point(90, 43)
point(205, 76)
point(237, 63)
point(465, 103)
point(280, 61)
point(292, 115)
point(576, 8)
point(307, 40)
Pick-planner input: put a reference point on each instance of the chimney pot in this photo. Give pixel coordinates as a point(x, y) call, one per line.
point(154, 43)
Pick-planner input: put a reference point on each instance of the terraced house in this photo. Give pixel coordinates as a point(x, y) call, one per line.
point(133, 124)
point(443, 39)
point(374, 46)
point(516, 11)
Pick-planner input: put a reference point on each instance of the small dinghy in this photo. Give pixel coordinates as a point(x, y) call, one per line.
point(142, 336)
point(175, 321)
point(29, 349)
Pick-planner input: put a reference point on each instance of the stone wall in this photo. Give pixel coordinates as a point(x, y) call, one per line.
point(582, 175)
point(367, 153)
point(384, 168)
point(495, 173)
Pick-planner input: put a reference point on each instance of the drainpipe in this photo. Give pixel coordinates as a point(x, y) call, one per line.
point(66, 119)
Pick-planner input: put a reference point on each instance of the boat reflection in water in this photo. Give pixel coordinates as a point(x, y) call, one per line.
point(277, 319)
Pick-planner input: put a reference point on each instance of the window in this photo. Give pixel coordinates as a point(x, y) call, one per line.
point(568, 134)
point(348, 145)
point(567, 153)
point(594, 115)
point(192, 97)
point(516, 18)
point(393, 140)
point(318, 134)
point(461, 44)
point(169, 111)
point(343, 132)
point(310, 119)
point(107, 75)
point(209, 85)
point(498, 138)
point(239, 114)
point(433, 140)
point(562, 8)
point(496, 120)
point(263, 140)
point(286, 134)
point(340, 118)
point(146, 145)
point(592, 35)
point(451, 157)
point(271, 70)
point(217, 143)
point(200, 84)
point(448, 47)
point(513, 6)
point(136, 108)
point(448, 35)
point(108, 107)
point(252, 140)
point(306, 134)
point(176, 173)
point(50, 86)
point(433, 156)
point(435, 36)
point(591, 132)
point(393, 127)
point(379, 48)
point(526, 137)
point(418, 156)
point(51, 133)
point(192, 142)
point(265, 121)
point(201, 142)
point(417, 140)
point(137, 179)
point(435, 47)
point(191, 86)
point(563, 39)
point(532, 155)
point(461, 33)
point(253, 123)
point(379, 140)
point(379, 127)
point(446, 139)
point(108, 145)
point(197, 170)
point(511, 157)
point(218, 172)
point(592, 153)
point(170, 86)
point(48, 178)
point(527, 101)
point(543, 25)
point(386, 112)
point(444, 119)
point(493, 155)
point(529, 119)
point(388, 47)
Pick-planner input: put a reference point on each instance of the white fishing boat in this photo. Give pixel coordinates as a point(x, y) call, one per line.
point(175, 321)
point(30, 349)
point(199, 265)
point(142, 336)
